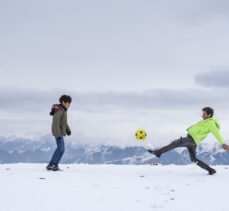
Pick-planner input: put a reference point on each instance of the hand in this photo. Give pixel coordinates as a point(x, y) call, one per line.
point(225, 147)
point(69, 132)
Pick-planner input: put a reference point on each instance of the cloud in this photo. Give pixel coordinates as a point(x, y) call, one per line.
point(157, 99)
point(214, 79)
point(203, 10)
point(107, 35)
point(108, 116)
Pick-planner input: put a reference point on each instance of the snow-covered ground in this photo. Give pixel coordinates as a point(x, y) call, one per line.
point(26, 187)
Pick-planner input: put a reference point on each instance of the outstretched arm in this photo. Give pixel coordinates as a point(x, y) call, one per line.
point(215, 132)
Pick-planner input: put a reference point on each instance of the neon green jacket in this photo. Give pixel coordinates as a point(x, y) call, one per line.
point(201, 129)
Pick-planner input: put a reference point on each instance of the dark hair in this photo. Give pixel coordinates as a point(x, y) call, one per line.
point(209, 111)
point(65, 98)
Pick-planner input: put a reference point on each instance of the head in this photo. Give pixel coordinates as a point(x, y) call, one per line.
point(207, 113)
point(66, 101)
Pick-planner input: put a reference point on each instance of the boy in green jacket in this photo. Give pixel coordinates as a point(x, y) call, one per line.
point(196, 134)
point(60, 129)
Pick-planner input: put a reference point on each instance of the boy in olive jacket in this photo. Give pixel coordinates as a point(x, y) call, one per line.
point(196, 134)
point(60, 129)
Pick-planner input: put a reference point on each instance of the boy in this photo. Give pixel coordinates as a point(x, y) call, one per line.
point(196, 134)
point(60, 129)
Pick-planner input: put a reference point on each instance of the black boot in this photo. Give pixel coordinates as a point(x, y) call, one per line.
point(50, 166)
point(57, 168)
point(155, 152)
point(211, 171)
point(53, 167)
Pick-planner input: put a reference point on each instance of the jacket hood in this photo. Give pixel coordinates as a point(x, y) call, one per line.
point(216, 122)
point(57, 107)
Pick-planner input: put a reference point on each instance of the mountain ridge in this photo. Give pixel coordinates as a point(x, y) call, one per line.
point(22, 150)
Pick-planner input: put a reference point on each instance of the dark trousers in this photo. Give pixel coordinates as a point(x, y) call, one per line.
point(57, 155)
point(191, 146)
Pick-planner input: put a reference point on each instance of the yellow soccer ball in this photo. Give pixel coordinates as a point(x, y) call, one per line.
point(141, 135)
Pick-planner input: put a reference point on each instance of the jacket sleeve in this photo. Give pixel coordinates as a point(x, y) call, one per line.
point(215, 132)
point(64, 124)
point(56, 125)
point(68, 128)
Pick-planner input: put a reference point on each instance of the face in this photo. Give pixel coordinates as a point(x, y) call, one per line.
point(205, 115)
point(66, 104)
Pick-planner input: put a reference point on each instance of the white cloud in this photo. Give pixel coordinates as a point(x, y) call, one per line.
point(110, 117)
point(217, 78)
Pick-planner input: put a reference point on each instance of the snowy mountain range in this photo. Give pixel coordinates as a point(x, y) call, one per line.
point(20, 150)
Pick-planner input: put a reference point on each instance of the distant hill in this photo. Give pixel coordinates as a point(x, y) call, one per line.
point(20, 150)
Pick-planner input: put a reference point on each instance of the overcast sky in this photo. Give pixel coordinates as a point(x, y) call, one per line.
point(127, 64)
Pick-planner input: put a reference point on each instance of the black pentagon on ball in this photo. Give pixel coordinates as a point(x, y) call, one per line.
point(141, 131)
point(136, 134)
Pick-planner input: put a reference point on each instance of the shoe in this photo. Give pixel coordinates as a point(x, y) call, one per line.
point(53, 167)
point(50, 166)
point(57, 168)
point(155, 152)
point(211, 171)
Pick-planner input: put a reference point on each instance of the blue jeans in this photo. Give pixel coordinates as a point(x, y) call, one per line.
point(57, 155)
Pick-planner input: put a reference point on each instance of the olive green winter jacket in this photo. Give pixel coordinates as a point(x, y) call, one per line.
point(201, 129)
point(60, 124)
